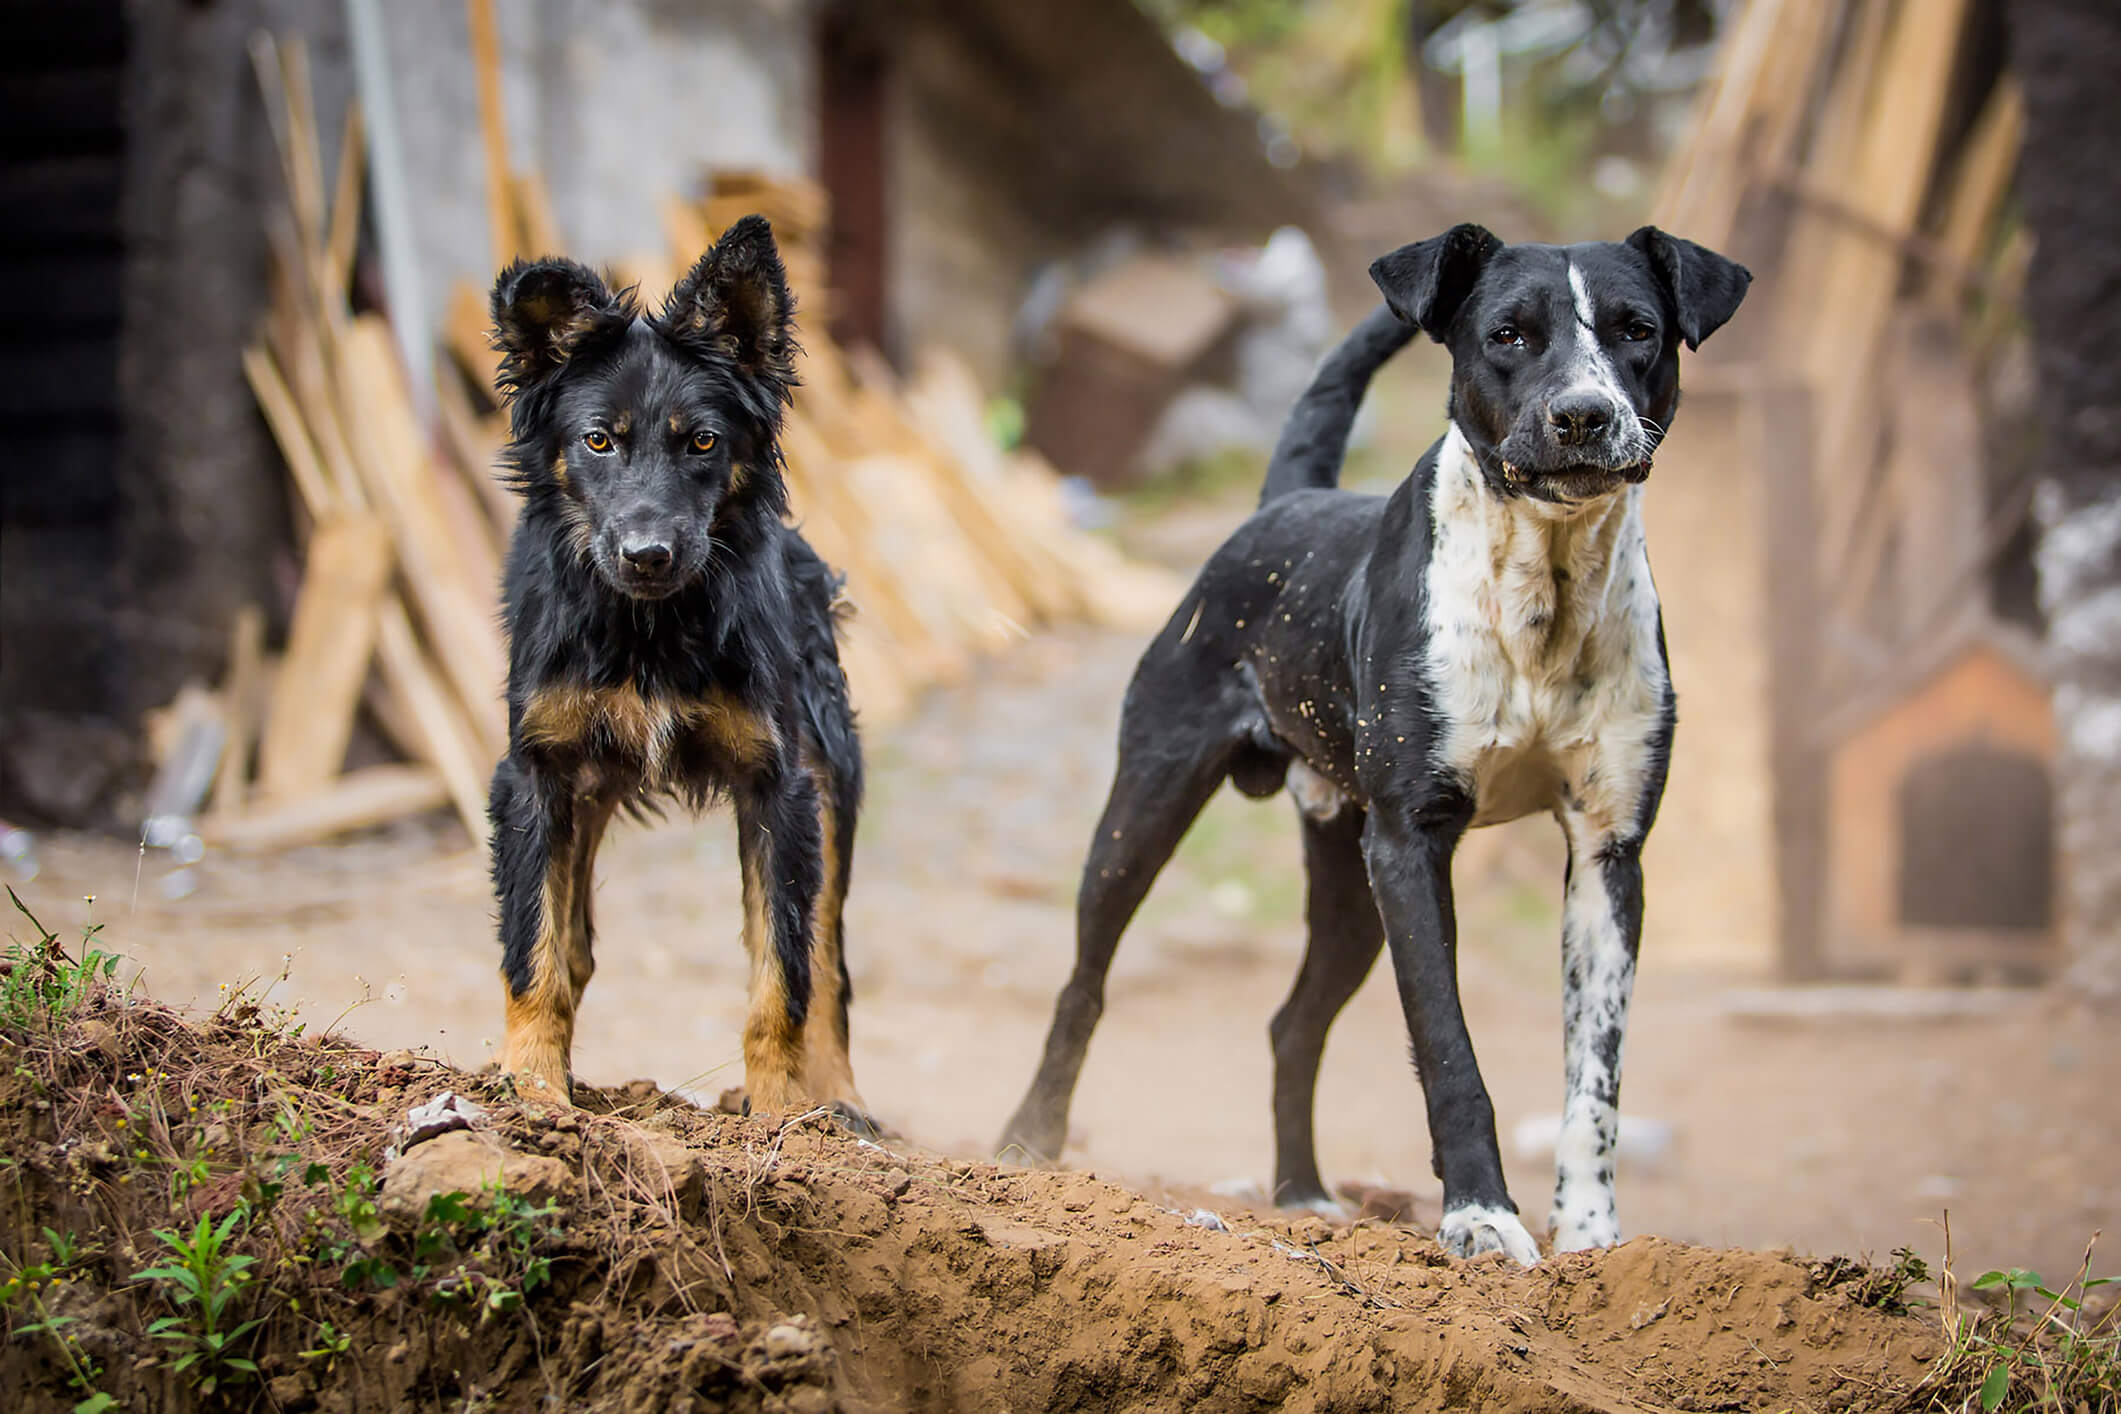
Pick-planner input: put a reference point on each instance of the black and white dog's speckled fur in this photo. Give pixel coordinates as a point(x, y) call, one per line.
point(1482, 643)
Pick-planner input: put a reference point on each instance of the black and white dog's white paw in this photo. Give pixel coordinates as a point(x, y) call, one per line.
point(1583, 1229)
point(1476, 1228)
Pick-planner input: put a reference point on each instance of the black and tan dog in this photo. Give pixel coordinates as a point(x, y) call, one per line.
point(669, 636)
point(1483, 643)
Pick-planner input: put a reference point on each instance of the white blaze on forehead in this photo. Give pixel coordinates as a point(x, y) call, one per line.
point(1585, 315)
point(1590, 367)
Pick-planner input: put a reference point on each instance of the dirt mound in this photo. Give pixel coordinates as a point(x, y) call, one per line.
point(642, 1254)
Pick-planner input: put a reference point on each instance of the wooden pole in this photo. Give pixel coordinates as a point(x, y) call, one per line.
point(503, 231)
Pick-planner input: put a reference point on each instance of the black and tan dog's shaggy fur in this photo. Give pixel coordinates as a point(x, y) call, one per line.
point(669, 637)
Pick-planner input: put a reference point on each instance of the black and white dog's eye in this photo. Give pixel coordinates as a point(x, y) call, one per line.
point(597, 440)
point(1507, 334)
point(1636, 331)
point(704, 442)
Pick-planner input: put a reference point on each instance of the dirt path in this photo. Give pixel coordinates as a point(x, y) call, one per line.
point(1829, 1138)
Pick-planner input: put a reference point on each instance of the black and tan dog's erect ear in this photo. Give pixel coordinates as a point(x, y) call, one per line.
point(1705, 289)
point(1427, 281)
point(543, 313)
point(735, 305)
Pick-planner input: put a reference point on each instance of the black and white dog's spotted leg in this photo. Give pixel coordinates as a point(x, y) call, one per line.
point(1600, 932)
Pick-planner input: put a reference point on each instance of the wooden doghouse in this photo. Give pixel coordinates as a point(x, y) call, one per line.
point(1939, 820)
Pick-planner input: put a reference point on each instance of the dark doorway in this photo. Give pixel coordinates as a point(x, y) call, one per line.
point(1977, 841)
point(61, 150)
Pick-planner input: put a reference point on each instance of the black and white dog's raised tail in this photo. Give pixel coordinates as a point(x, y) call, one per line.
point(1483, 643)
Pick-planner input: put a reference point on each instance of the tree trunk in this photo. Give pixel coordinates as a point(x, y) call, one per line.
point(2067, 54)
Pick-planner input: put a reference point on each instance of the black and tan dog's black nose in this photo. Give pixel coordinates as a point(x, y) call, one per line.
point(647, 556)
point(1576, 420)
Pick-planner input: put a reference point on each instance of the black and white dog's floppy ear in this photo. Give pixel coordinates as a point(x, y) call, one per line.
point(1705, 289)
point(543, 311)
point(735, 304)
point(1427, 281)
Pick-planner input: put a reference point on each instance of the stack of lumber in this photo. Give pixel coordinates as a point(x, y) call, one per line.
point(1859, 155)
point(951, 547)
point(395, 613)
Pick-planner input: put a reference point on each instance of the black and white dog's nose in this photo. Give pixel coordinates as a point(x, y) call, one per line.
point(1577, 419)
point(647, 556)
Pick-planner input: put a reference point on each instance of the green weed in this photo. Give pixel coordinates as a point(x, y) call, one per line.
point(2040, 1352)
point(40, 986)
point(501, 1235)
point(205, 1283)
point(26, 1288)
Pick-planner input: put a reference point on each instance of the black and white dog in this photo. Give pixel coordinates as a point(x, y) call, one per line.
point(1480, 644)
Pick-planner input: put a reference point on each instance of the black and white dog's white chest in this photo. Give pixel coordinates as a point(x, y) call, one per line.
point(1543, 658)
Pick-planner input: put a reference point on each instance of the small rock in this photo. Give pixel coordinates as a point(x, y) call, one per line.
point(896, 1183)
point(661, 1158)
point(468, 1161)
point(445, 1112)
point(392, 1060)
point(721, 1326)
point(788, 1341)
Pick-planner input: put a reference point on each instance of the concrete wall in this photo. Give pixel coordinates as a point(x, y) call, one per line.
point(618, 103)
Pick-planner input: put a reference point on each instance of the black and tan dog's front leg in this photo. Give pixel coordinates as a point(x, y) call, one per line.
point(782, 848)
point(544, 849)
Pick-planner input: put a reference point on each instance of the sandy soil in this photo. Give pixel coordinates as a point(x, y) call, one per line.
point(681, 1260)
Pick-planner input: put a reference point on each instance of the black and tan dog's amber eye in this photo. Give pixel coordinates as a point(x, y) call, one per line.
point(1507, 334)
point(597, 440)
point(704, 442)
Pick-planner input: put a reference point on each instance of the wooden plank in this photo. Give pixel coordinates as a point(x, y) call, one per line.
point(447, 739)
point(1982, 182)
point(328, 651)
point(503, 232)
point(1886, 180)
point(345, 234)
point(476, 443)
point(306, 159)
point(464, 327)
point(242, 705)
point(1795, 643)
point(456, 607)
point(541, 229)
point(288, 429)
point(685, 230)
point(358, 800)
point(1748, 116)
point(1936, 471)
